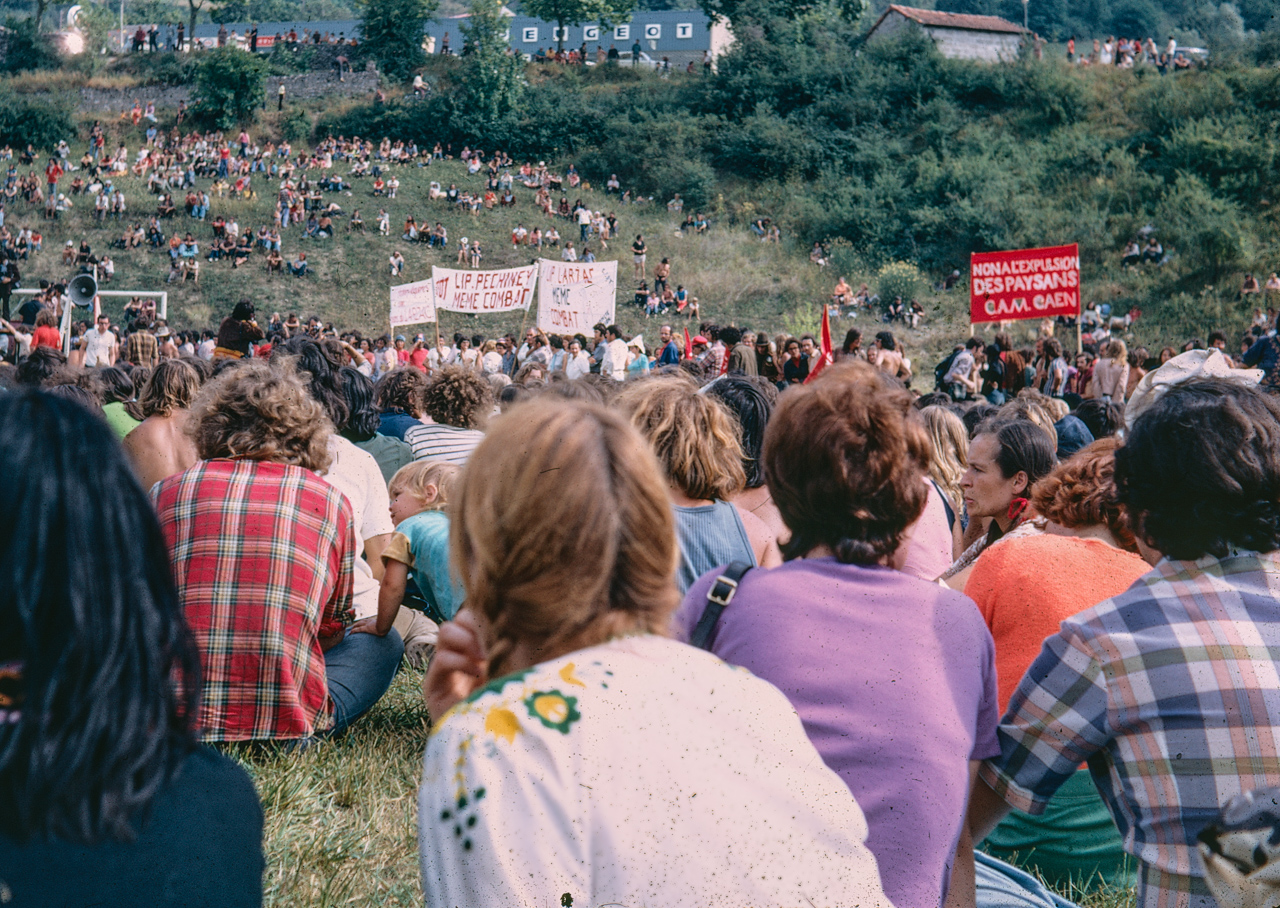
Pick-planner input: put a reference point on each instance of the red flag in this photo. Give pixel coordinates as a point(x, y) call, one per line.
point(688, 345)
point(826, 358)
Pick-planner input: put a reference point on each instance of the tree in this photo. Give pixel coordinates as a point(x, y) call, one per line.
point(575, 12)
point(391, 33)
point(228, 87)
point(764, 12)
point(493, 78)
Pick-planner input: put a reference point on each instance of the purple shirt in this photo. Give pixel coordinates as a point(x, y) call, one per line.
point(895, 682)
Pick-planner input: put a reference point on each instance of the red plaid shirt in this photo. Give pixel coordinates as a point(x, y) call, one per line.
point(263, 555)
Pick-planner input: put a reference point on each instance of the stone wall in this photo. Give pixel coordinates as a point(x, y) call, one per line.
point(297, 88)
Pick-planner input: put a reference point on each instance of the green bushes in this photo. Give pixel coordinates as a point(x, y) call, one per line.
point(40, 122)
point(228, 87)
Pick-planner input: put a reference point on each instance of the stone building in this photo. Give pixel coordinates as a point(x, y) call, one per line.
point(956, 35)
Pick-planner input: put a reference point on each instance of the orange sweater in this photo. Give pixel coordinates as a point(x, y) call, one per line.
point(1026, 587)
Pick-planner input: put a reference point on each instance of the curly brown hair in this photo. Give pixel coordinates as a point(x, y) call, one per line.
point(1081, 492)
point(458, 397)
point(261, 412)
point(845, 458)
point(401, 389)
point(172, 386)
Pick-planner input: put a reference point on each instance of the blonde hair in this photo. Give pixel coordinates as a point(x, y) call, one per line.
point(1118, 353)
point(694, 435)
point(564, 535)
point(1030, 405)
point(172, 386)
point(949, 444)
point(260, 411)
point(414, 478)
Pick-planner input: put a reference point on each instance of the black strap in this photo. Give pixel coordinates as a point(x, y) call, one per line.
point(719, 596)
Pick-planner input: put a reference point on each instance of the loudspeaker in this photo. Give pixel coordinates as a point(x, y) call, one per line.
point(82, 289)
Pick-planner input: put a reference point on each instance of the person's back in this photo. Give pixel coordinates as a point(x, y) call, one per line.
point(160, 447)
point(229, 524)
point(451, 444)
point(891, 676)
point(106, 798)
point(729, 815)
point(1168, 690)
point(710, 535)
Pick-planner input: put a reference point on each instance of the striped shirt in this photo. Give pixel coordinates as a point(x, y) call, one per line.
point(263, 556)
point(445, 443)
point(1171, 693)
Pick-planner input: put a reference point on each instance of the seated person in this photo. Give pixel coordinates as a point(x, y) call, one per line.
point(1132, 254)
point(127, 809)
point(285, 582)
point(275, 261)
point(1153, 252)
point(567, 711)
point(298, 267)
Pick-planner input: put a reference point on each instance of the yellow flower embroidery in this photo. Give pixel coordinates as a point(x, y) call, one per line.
point(568, 677)
point(553, 709)
point(502, 723)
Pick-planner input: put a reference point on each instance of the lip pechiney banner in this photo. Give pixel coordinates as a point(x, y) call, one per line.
point(1024, 283)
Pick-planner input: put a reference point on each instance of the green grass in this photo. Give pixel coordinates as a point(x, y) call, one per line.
point(341, 817)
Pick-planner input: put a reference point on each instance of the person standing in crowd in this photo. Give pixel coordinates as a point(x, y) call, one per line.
point(843, 460)
point(697, 445)
point(458, 401)
point(263, 544)
point(1167, 690)
point(101, 346)
point(670, 352)
point(560, 672)
point(237, 332)
point(161, 446)
point(106, 797)
point(142, 348)
point(614, 362)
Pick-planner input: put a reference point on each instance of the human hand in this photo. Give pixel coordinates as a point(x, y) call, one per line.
point(458, 667)
point(367, 626)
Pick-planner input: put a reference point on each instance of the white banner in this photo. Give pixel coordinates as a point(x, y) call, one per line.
point(412, 304)
point(484, 292)
point(573, 296)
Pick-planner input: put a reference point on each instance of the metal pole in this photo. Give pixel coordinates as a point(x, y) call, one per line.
point(122, 44)
point(1024, 13)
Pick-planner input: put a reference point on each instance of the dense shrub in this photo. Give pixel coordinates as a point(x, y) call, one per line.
point(41, 122)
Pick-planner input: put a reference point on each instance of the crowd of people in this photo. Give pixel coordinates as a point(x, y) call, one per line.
point(1032, 612)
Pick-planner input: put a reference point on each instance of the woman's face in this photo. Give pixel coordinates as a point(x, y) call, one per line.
point(793, 351)
point(987, 493)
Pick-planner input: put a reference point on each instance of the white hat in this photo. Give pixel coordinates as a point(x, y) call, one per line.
point(1183, 367)
point(637, 341)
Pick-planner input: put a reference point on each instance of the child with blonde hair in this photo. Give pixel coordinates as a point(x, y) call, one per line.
point(416, 560)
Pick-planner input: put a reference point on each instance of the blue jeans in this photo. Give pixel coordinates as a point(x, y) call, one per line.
point(360, 670)
point(1001, 885)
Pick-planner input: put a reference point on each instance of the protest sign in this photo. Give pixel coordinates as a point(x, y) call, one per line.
point(412, 304)
point(484, 292)
point(573, 296)
point(1024, 283)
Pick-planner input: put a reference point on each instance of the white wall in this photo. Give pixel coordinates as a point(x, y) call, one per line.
point(958, 43)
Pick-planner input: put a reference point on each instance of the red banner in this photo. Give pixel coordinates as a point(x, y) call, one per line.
point(1024, 283)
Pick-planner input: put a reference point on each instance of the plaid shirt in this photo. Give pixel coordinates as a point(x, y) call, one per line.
point(142, 349)
point(262, 555)
point(1171, 692)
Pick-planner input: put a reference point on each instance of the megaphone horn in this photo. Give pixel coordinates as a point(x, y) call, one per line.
point(82, 289)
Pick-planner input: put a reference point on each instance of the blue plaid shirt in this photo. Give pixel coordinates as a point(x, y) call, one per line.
point(1171, 693)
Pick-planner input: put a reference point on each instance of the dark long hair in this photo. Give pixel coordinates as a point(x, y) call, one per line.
point(110, 676)
point(749, 403)
point(363, 418)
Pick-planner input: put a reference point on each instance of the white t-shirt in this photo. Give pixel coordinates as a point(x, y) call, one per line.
point(98, 346)
point(577, 366)
point(357, 475)
point(205, 350)
point(615, 359)
point(639, 772)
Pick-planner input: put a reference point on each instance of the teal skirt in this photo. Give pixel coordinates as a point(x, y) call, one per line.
point(1073, 843)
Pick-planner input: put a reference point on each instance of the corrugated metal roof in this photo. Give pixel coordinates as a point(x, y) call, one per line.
point(939, 19)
